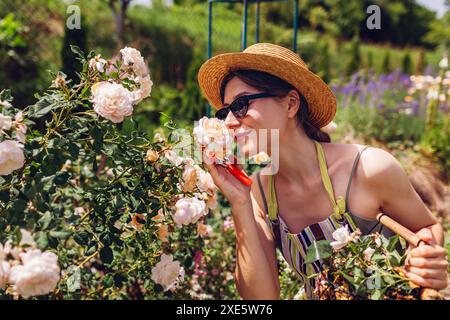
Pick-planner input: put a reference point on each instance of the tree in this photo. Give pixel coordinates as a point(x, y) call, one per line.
point(355, 58)
point(73, 37)
point(407, 63)
point(386, 65)
point(119, 9)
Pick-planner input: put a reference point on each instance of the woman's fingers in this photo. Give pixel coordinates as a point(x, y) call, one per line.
point(429, 263)
point(437, 274)
point(426, 235)
point(426, 251)
point(427, 282)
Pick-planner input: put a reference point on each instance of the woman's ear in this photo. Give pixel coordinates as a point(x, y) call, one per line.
point(293, 100)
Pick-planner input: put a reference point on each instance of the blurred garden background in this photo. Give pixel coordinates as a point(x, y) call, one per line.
point(392, 83)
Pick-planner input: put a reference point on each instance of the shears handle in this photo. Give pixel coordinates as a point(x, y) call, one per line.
point(241, 176)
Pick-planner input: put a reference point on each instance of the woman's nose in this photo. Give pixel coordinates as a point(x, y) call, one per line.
point(231, 121)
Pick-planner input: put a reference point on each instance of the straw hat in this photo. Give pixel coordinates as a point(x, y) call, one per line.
point(277, 61)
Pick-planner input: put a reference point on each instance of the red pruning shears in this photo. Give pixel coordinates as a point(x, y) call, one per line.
point(236, 172)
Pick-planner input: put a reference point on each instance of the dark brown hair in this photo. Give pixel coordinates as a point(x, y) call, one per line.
point(271, 84)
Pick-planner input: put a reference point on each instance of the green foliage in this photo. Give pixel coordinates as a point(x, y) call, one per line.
point(354, 63)
point(386, 65)
point(436, 142)
point(83, 161)
point(368, 267)
point(407, 67)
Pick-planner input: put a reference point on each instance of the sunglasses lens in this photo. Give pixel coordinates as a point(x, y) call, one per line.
point(222, 113)
point(239, 107)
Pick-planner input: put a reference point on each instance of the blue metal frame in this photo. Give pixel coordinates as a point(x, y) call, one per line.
point(244, 25)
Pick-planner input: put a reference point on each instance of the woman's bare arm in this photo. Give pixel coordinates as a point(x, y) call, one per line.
point(427, 264)
point(256, 270)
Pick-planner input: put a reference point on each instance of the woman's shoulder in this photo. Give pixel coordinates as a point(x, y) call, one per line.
point(374, 162)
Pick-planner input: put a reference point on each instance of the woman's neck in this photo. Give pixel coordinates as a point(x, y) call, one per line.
point(298, 160)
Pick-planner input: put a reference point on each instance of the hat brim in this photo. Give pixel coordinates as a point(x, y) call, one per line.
point(321, 100)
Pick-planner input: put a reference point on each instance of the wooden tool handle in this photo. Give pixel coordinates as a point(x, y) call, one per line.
point(241, 176)
point(403, 232)
point(412, 238)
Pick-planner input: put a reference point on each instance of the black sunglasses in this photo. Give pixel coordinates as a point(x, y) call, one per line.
point(239, 106)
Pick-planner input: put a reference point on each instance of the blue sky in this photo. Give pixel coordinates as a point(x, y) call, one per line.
point(436, 5)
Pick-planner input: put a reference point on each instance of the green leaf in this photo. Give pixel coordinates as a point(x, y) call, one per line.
point(61, 178)
point(377, 295)
point(106, 255)
point(78, 52)
point(74, 280)
point(5, 95)
point(46, 220)
point(41, 240)
point(60, 234)
point(74, 150)
point(97, 135)
point(108, 280)
point(319, 250)
point(392, 243)
point(82, 238)
point(42, 107)
point(347, 277)
point(90, 250)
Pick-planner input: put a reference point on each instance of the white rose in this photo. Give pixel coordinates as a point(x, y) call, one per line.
point(59, 81)
point(260, 158)
point(13, 251)
point(11, 157)
point(378, 241)
point(204, 180)
point(216, 151)
point(27, 239)
point(4, 269)
point(131, 56)
point(4, 273)
point(21, 130)
point(342, 237)
point(189, 210)
point(98, 63)
point(189, 178)
point(5, 122)
point(173, 157)
point(167, 272)
point(211, 130)
point(112, 101)
point(79, 211)
point(152, 155)
point(38, 275)
point(204, 230)
point(368, 253)
point(145, 88)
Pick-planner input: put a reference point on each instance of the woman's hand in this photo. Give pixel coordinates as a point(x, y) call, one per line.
point(235, 191)
point(427, 264)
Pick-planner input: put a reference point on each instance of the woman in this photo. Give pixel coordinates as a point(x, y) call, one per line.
point(269, 87)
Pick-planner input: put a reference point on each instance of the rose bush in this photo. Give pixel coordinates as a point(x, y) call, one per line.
point(363, 267)
point(89, 210)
